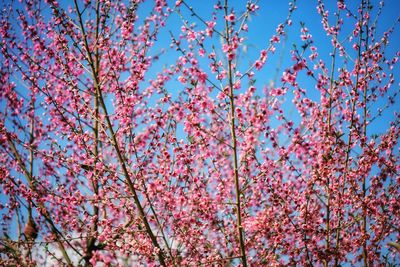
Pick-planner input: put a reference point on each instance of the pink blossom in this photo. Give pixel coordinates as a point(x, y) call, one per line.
point(122, 151)
point(231, 17)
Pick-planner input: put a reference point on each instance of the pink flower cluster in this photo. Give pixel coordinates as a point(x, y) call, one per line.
point(116, 149)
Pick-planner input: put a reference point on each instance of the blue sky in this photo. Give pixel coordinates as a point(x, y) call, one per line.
point(262, 26)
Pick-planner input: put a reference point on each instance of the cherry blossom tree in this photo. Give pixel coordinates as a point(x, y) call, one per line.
point(108, 158)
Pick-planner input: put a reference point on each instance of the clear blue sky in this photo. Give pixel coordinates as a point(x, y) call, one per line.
point(262, 26)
